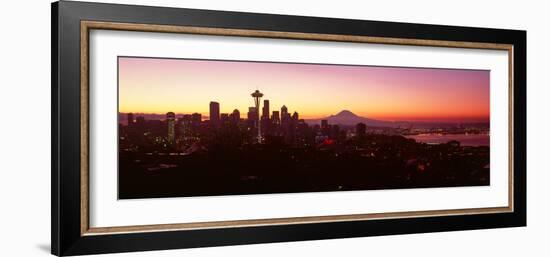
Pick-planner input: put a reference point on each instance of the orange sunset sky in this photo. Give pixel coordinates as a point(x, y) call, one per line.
point(155, 85)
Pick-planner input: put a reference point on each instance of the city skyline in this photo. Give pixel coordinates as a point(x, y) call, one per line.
point(153, 85)
point(236, 127)
point(275, 151)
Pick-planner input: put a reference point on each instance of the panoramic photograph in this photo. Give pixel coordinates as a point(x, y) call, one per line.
point(194, 127)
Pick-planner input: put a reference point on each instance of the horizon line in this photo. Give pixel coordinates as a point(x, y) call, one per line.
point(416, 120)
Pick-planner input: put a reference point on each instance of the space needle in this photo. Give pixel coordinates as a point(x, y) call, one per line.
point(257, 96)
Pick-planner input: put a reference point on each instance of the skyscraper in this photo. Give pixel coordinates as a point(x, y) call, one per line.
point(284, 111)
point(171, 120)
point(265, 120)
point(235, 116)
point(214, 113)
point(185, 125)
point(295, 117)
point(257, 96)
point(285, 117)
point(275, 118)
point(224, 119)
point(196, 119)
point(265, 110)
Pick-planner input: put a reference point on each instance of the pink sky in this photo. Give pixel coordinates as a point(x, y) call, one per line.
point(154, 85)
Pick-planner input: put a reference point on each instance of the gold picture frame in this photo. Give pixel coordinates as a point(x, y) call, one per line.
point(85, 28)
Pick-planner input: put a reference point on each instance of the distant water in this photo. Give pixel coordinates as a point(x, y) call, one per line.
point(464, 139)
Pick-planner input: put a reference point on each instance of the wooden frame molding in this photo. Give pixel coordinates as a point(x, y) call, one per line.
point(86, 26)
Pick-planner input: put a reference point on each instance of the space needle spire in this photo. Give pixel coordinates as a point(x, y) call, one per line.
point(257, 97)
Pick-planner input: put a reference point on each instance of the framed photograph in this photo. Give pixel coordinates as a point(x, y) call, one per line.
point(177, 128)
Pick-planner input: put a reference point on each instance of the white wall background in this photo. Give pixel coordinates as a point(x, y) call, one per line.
point(25, 127)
